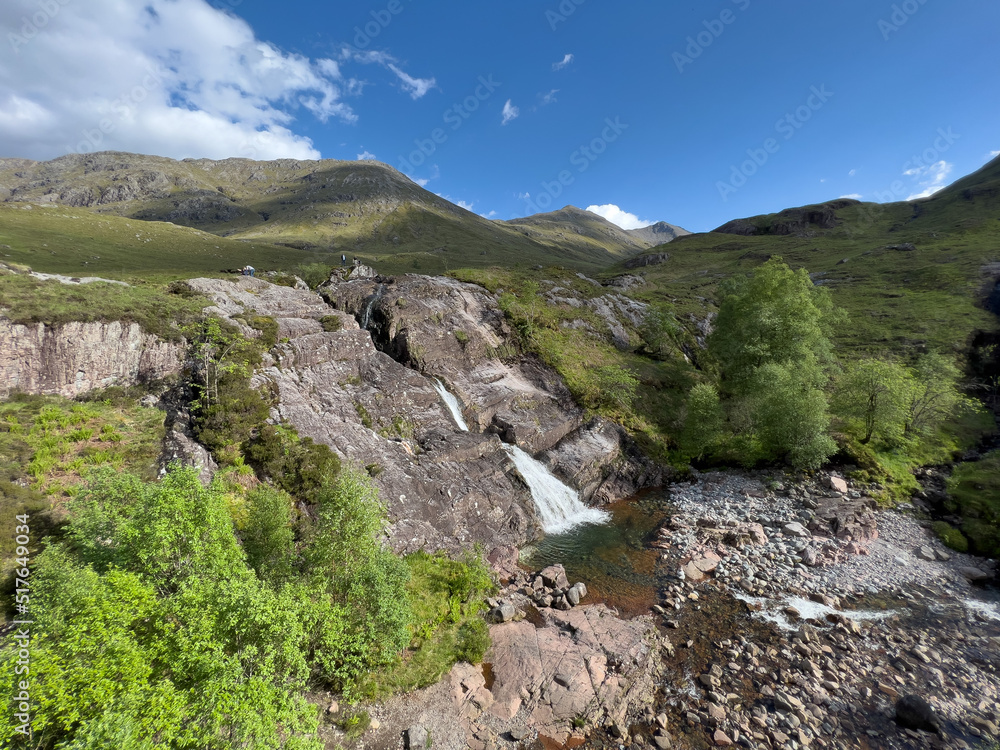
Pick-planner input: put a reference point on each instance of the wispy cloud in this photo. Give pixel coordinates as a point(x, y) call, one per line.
point(852, 173)
point(854, 196)
point(510, 112)
point(562, 63)
point(546, 99)
point(490, 215)
point(930, 178)
point(617, 216)
point(415, 87)
point(994, 154)
point(366, 156)
point(463, 204)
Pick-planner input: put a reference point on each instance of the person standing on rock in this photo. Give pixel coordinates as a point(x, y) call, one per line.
point(343, 261)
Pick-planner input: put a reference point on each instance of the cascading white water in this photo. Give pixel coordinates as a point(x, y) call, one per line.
point(559, 506)
point(452, 403)
point(366, 316)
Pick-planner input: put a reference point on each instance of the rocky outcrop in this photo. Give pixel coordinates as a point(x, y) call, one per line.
point(74, 358)
point(370, 395)
point(582, 664)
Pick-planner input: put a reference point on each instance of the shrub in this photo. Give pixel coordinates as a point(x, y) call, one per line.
point(950, 536)
point(331, 323)
point(472, 641)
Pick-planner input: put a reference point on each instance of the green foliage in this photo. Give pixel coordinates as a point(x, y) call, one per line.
point(331, 323)
point(950, 536)
point(462, 337)
point(368, 622)
point(878, 395)
point(363, 414)
point(355, 723)
point(974, 492)
point(151, 631)
point(936, 396)
point(447, 597)
point(314, 274)
point(790, 416)
point(297, 465)
point(774, 315)
point(615, 386)
point(269, 536)
point(659, 330)
point(703, 421)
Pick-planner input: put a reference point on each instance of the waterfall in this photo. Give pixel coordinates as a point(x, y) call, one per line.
point(559, 506)
point(452, 403)
point(372, 301)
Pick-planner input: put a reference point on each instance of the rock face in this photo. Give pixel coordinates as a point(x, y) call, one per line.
point(74, 358)
point(584, 663)
point(369, 394)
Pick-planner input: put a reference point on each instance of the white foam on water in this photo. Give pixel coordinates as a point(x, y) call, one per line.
point(990, 610)
point(452, 403)
point(559, 506)
point(772, 610)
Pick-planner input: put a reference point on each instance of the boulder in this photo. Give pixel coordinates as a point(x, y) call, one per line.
point(554, 576)
point(416, 738)
point(974, 575)
point(913, 712)
point(503, 612)
point(796, 529)
point(837, 484)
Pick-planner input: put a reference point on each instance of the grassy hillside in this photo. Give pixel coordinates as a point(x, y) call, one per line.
point(364, 208)
point(912, 276)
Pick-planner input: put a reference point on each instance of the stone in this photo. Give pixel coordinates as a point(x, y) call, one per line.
point(837, 484)
point(796, 529)
point(925, 552)
point(913, 712)
point(416, 737)
point(721, 739)
point(554, 576)
point(520, 733)
point(974, 575)
point(662, 741)
point(333, 708)
point(503, 612)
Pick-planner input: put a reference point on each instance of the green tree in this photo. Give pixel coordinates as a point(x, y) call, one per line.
point(703, 420)
point(790, 416)
point(773, 315)
point(877, 394)
point(935, 396)
point(269, 537)
point(616, 386)
point(659, 329)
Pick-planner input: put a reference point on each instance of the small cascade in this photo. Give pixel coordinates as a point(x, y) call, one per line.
point(559, 506)
point(452, 403)
point(366, 315)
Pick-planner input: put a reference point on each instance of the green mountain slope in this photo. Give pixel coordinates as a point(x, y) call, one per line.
point(354, 208)
point(912, 275)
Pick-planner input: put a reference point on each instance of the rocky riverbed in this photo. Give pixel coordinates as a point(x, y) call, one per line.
point(791, 614)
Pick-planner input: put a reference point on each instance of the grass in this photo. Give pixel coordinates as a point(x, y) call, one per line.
point(974, 491)
point(447, 597)
point(48, 444)
point(27, 300)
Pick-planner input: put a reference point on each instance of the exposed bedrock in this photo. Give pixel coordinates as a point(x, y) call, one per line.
point(371, 397)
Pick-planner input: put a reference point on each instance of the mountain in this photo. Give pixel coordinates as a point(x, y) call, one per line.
point(362, 208)
point(657, 234)
point(912, 275)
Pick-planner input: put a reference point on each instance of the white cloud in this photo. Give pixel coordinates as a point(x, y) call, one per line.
point(416, 86)
point(548, 98)
point(175, 78)
point(366, 156)
point(931, 178)
point(852, 173)
point(463, 204)
point(490, 215)
point(510, 112)
point(422, 181)
point(994, 153)
point(615, 215)
point(855, 196)
point(562, 63)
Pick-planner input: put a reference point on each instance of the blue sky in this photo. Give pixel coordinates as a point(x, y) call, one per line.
point(653, 111)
